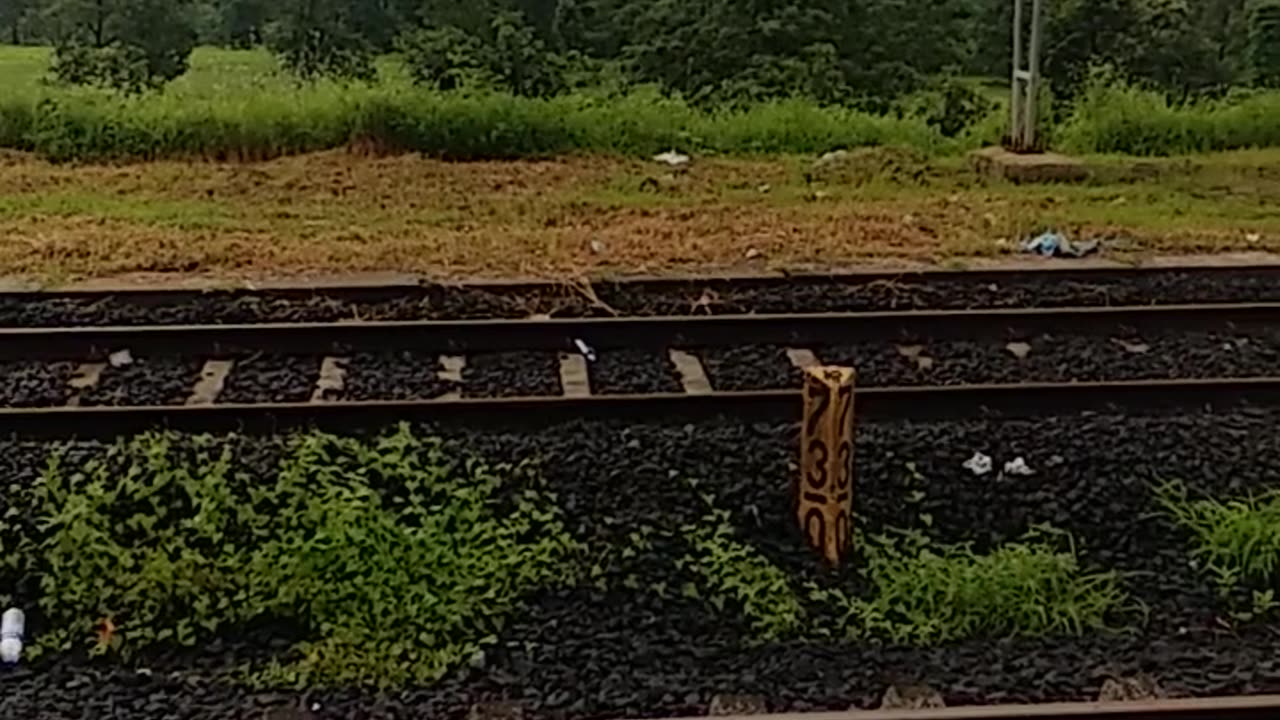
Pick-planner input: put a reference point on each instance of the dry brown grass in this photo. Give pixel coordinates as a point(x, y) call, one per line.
point(338, 213)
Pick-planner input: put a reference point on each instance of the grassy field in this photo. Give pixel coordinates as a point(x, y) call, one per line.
point(252, 175)
point(338, 212)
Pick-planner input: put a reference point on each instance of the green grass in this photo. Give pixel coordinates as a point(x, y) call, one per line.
point(237, 104)
point(914, 591)
point(928, 593)
point(1237, 541)
point(176, 214)
point(1114, 118)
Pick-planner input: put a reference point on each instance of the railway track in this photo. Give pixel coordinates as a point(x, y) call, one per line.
point(445, 348)
point(1262, 707)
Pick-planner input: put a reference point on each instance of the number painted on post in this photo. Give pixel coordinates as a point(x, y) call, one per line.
point(815, 528)
point(844, 474)
point(846, 404)
point(822, 394)
point(817, 474)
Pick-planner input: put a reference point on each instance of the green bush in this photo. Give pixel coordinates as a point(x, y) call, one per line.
point(735, 575)
point(390, 560)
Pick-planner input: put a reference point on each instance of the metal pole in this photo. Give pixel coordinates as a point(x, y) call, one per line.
point(1033, 85)
point(1015, 106)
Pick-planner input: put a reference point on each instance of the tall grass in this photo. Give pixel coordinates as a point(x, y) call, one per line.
point(66, 125)
point(1117, 118)
point(237, 104)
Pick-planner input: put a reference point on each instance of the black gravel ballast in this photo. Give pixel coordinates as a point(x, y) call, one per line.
point(635, 651)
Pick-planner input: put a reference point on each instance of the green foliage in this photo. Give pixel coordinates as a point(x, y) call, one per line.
point(1264, 44)
point(948, 104)
point(276, 119)
point(1161, 43)
point(444, 58)
point(520, 61)
point(912, 590)
point(735, 51)
point(325, 38)
point(928, 593)
point(129, 45)
point(735, 575)
point(1236, 542)
point(236, 105)
point(509, 56)
point(731, 52)
point(1114, 117)
point(390, 559)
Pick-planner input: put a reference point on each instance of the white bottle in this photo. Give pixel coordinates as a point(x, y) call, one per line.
point(12, 626)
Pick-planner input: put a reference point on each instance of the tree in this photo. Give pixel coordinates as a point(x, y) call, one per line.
point(509, 56)
point(317, 38)
point(1082, 33)
point(1264, 44)
point(445, 58)
point(833, 50)
point(234, 23)
point(1176, 56)
point(130, 45)
point(520, 60)
point(14, 18)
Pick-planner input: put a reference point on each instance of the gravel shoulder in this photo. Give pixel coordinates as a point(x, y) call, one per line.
point(584, 652)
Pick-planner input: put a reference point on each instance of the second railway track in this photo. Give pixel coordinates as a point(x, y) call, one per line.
point(214, 352)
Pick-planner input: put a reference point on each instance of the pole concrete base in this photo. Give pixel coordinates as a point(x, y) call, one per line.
point(996, 162)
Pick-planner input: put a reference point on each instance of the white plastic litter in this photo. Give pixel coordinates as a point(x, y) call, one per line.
point(1019, 350)
point(585, 350)
point(120, 358)
point(979, 464)
point(12, 627)
point(1018, 467)
point(672, 158)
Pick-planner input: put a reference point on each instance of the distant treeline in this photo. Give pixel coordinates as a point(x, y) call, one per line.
point(860, 53)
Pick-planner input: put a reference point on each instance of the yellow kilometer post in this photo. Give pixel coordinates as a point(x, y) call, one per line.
point(824, 490)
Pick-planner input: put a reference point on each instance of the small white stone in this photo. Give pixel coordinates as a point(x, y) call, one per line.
point(979, 464)
point(1018, 467)
point(120, 358)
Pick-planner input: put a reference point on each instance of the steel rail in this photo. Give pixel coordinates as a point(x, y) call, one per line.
point(871, 404)
point(398, 285)
point(1258, 707)
point(655, 332)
